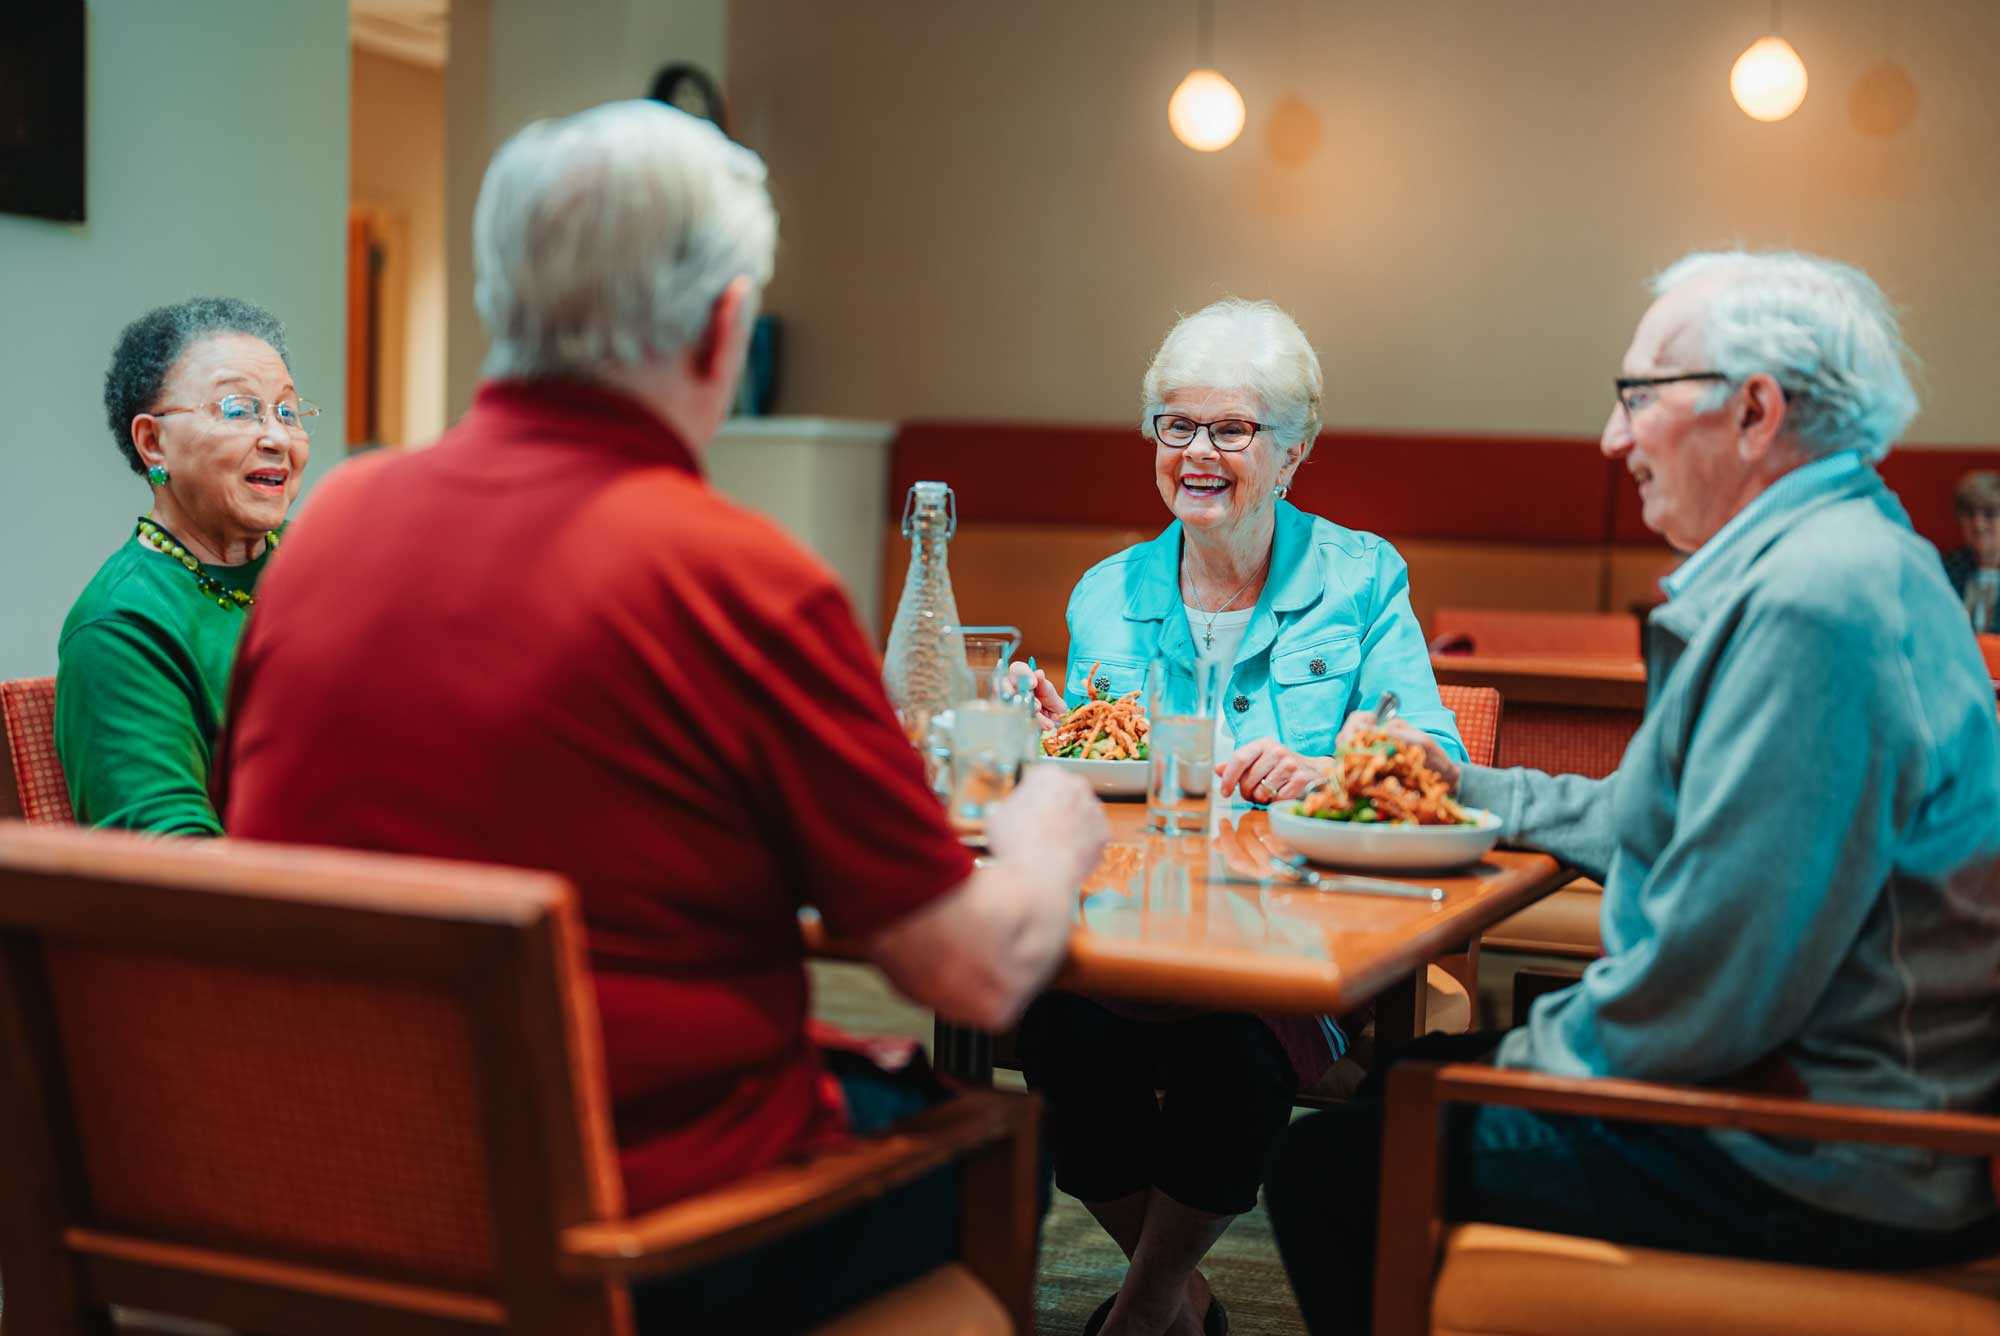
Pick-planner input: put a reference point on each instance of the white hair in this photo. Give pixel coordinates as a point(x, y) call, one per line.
point(603, 239)
point(1823, 329)
point(1235, 344)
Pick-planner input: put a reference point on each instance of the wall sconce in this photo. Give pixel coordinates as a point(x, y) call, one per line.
point(1206, 111)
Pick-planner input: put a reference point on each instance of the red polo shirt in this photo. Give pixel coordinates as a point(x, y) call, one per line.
point(545, 641)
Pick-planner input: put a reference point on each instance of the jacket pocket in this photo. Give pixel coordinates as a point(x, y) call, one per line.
point(1331, 659)
point(1115, 675)
point(1313, 684)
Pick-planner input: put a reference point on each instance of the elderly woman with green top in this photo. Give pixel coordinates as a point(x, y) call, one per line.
point(201, 403)
point(1306, 622)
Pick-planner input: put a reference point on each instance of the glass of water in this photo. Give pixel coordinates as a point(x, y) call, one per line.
point(1182, 704)
point(993, 729)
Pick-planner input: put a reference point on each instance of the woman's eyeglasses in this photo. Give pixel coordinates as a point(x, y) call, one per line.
point(1231, 434)
point(292, 415)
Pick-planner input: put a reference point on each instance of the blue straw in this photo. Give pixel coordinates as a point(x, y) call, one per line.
point(1031, 664)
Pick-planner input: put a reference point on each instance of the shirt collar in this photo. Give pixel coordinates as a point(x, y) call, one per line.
point(577, 413)
point(1293, 582)
point(1797, 488)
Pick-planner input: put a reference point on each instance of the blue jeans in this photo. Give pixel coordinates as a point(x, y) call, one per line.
point(1635, 1183)
point(807, 1278)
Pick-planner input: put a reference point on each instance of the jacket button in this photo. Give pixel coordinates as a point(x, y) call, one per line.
point(1240, 704)
point(1103, 685)
point(1317, 667)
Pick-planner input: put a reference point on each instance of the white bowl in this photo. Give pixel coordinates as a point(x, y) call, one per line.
point(1383, 846)
point(1111, 779)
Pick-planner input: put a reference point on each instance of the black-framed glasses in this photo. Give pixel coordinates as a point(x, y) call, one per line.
point(1231, 434)
point(1637, 393)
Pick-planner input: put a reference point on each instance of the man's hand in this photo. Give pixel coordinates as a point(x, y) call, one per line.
point(1052, 824)
point(1439, 760)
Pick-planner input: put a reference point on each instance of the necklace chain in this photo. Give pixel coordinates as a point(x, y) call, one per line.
point(225, 597)
point(1208, 632)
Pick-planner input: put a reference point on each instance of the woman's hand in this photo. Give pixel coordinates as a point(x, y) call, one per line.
point(1267, 771)
point(1049, 706)
point(1439, 760)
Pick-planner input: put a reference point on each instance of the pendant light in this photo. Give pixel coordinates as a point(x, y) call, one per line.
point(1768, 80)
point(1206, 111)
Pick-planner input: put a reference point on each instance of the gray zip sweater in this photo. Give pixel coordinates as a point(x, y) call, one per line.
point(1800, 853)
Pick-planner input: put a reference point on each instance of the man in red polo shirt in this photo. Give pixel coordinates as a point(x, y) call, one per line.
point(546, 641)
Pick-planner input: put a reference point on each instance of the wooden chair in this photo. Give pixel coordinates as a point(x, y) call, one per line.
point(32, 785)
point(1510, 633)
point(321, 1092)
point(1435, 1277)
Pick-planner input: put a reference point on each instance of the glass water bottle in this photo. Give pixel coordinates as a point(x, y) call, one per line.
point(924, 669)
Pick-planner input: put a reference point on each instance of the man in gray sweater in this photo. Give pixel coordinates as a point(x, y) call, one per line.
point(1800, 850)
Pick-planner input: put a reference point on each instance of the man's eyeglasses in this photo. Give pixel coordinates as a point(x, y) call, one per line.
point(1231, 434)
point(292, 415)
point(1638, 393)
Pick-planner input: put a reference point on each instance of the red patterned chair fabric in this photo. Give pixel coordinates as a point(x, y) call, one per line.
point(1567, 741)
point(1478, 712)
point(40, 793)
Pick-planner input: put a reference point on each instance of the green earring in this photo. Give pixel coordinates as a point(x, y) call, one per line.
point(157, 475)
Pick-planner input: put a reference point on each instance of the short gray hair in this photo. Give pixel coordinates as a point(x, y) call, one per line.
point(603, 239)
point(148, 349)
point(1823, 329)
point(1237, 344)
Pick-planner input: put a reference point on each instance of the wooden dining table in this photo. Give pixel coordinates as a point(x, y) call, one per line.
point(1205, 920)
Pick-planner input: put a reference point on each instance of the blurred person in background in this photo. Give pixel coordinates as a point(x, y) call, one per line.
point(200, 402)
point(1975, 568)
point(546, 641)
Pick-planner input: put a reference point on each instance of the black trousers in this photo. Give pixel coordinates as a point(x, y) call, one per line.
point(1635, 1183)
point(1224, 1093)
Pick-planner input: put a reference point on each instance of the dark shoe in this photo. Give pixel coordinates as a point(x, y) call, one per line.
point(1215, 1322)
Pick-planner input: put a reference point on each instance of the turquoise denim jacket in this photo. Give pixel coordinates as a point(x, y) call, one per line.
point(1332, 630)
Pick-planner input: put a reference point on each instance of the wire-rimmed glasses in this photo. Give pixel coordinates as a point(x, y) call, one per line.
point(292, 415)
point(1178, 431)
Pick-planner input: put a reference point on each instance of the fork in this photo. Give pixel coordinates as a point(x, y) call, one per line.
point(1385, 710)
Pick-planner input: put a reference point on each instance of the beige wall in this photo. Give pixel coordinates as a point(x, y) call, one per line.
point(516, 61)
point(983, 213)
point(396, 143)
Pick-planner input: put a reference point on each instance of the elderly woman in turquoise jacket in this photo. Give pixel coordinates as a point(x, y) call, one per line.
point(1308, 621)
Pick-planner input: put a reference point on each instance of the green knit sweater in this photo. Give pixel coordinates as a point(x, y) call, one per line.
point(142, 674)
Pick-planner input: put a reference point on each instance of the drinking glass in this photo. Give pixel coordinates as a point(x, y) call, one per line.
point(993, 728)
point(1183, 702)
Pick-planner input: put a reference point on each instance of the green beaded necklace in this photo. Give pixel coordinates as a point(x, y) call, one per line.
point(224, 596)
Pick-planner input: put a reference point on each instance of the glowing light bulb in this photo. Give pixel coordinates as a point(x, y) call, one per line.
point(1206, 111)
point(1768, 80)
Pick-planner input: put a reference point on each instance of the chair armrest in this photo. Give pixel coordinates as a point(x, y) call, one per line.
point(1689, 1106)
point(1409, 1228)
point(783, 1200)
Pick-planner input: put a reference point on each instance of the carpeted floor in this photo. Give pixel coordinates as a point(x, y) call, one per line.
point(1080, 1264)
